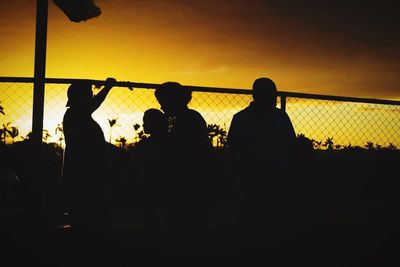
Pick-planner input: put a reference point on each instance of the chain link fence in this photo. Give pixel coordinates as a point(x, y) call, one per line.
point(339, 124)
point(329, 123)
point(16, 104)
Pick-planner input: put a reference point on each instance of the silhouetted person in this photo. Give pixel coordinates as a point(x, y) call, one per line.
point(186, 180)
point(261, 143)
point(86, 161)
point(149, 165)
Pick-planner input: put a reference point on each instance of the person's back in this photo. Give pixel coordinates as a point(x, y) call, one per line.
point(262, 136)
point(188, 148)
point(188, 137)
point(261, 144)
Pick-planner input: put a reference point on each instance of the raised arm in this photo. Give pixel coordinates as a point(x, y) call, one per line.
point(101, 96)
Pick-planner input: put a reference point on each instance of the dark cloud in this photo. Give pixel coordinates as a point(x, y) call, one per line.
point(372, 22)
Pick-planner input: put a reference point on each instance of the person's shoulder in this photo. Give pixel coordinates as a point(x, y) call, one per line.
point(67, 112)
point(67, 116)
point(243, 113)
point(281, 116)
point(280, 112)
point(194, 114)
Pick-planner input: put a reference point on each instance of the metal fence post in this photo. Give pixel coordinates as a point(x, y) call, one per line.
point(38, 99)
point(283, 102)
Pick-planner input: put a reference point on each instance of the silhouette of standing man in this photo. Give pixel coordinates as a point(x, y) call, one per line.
point(261, 143)
point(86, 159)
point(185, 182)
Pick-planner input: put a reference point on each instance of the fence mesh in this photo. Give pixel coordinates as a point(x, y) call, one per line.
point(345, 123)
point(337, 123)
point(332, 124)
point(16, 100)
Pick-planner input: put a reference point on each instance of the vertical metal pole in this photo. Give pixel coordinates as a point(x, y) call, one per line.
point(40, 70)
point(38, 99)
point(283, 102)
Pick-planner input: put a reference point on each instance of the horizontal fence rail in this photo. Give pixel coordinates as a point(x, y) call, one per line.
point(208, 89)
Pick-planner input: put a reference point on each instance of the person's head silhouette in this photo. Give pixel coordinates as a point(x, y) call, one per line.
point(155, 122)
point(173, 97)
point(264, 93)
point(80, 94)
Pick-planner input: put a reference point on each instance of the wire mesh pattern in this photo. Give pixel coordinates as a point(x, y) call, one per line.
point(339, 123)
point(16, 101)
point(346, 123)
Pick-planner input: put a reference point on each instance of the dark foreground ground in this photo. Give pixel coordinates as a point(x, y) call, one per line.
point(331, 241)
point(353, 198)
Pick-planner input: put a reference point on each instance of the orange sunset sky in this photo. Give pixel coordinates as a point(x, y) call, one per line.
point(348, 48)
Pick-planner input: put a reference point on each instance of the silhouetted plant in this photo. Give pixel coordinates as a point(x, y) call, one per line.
point(139, 135)
point(29, 135)
point(316, 144)
point(328, 143)
point(223, 140)
point(304, 142)
point(59, 129)
point(391, 147)
point(122, 141)
point(13, 133)
point(46, 135)
point(370, 145)
point(112, 123)
point(136, 127)
point(348, 146)
point(5, 131)
point(215, 131)
point(301, 135)
point(142, 135)
point(2, 110)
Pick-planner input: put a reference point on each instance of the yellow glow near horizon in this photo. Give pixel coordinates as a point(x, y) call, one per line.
point(196, 45)
point(347, 123)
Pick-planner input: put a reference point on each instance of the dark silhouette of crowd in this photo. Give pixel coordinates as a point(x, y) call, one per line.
point(259, 195)
point(267, 194)
point(171, 164)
